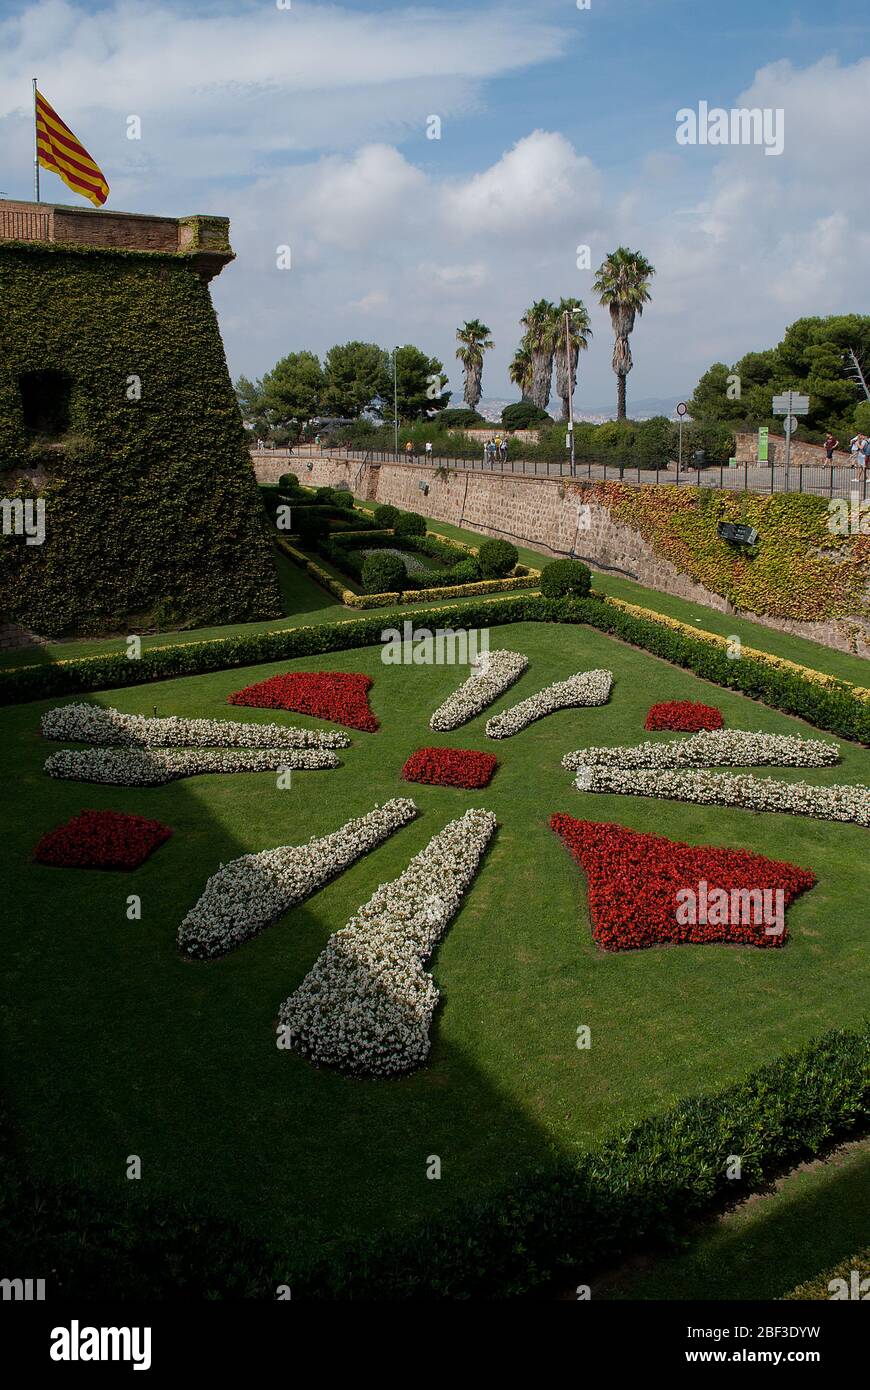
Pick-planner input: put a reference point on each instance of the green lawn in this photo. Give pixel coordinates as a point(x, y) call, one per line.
point(306, 602)
point(117, 1046)
point(813, 1218)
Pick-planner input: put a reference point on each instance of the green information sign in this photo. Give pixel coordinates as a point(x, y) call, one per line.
point(763, 432)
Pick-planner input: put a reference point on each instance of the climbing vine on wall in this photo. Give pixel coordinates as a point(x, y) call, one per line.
point(151, 508)
point(799, 569)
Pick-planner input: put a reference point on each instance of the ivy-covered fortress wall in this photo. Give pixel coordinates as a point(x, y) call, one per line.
point(118, 414)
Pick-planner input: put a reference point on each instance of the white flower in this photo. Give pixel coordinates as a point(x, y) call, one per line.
point(93, 724)
point(712, 748)
point(247, 894)
point(367, 1003)
point(492, 674)
point(140, 767)
point(585, 688)
point(837, 803)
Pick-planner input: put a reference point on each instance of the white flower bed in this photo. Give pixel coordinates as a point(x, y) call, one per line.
point(92, 724)
point(367, 1003)
point(585, 688)
point(712, 748)
point(838, 803)
point(139, 767)
point(492, 674)
point(249, 893)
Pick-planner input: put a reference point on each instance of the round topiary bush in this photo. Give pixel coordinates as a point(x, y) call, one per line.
point(410, 524)
point(566, 578)
point(288, 482)
point(497, 559)
point(323, 494)
point(386, 516)
point(466, 572)
point(383, 574)
point(341, 497)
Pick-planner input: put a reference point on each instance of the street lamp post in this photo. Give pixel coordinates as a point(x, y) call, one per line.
point(396, 399)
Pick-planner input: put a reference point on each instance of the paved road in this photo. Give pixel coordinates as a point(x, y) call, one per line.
point(820, 481)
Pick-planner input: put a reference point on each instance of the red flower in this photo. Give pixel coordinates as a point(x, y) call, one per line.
point(645, 890)
point(685, 715)
point(336, 695)
point(450, 767)
point(101, 840)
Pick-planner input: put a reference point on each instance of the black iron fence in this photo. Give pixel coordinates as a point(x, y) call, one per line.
point(819, 480)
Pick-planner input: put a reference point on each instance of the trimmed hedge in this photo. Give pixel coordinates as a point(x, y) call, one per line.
point(386, 516)
point(497, 559)
point(562, 1221)
point(410, 524)
point(820, 1289)
point(566, 577)
point(834, 707)
point(382, 573)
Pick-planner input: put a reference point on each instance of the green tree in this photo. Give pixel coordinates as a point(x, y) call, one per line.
point(292, 390)
point(541, 324)
point(420, 382)
point(252, 404)
point(622, 284)
point(520, 370)
point(811, 359)
point(356, 378)
point(570, 345)
point(474, 340)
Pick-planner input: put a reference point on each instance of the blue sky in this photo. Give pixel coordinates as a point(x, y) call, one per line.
point(308, 128)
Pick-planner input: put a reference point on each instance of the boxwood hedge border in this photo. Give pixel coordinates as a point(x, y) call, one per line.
point(834, 706)
point(549, 1227)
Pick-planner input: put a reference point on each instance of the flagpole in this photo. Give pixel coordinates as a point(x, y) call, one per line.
point(35, 146)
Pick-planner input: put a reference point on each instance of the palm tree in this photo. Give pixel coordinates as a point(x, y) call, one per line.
point(542, 331)
point(520, 369)
point(474, 341)
point(622, 284)
point(578, 337)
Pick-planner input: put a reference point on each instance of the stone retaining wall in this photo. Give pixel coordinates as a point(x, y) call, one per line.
point(542, 514)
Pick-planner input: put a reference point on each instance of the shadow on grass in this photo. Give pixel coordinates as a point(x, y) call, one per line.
point(118, 1048)
point(812, 1219)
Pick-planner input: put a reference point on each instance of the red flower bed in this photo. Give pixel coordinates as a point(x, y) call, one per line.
point(334, 695)
point(685, 715)
point(645, 890)
point(101, 840)
point(450, 767)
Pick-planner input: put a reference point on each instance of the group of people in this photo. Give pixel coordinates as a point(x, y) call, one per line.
point(496, 448)
point(859, 448)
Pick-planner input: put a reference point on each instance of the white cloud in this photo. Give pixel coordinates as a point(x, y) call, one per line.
point(540, 183)
point(307, 127)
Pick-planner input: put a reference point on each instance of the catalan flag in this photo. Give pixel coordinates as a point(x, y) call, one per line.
point(58, 150)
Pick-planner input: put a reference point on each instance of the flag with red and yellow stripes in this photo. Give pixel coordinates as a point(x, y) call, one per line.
point(59, 150)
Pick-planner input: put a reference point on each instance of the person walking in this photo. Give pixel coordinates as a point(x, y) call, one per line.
point(503, 451)
point(409, 450)
point(856, 449)
point(830, 445)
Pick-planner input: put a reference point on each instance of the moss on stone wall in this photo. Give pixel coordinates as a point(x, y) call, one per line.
point(152, 512)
